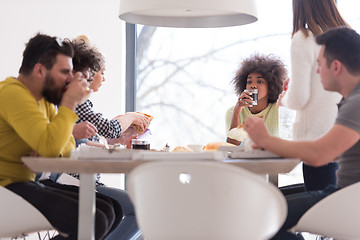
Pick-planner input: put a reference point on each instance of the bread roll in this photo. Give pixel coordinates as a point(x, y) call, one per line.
point(238, 134)
point(137, 128)
point(182, 149)
point(213, 146)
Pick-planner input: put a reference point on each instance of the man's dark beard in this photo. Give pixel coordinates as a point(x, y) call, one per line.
point(50, 91)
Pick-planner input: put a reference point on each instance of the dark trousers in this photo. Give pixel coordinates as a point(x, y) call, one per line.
point(128, 228)
point(315, 178)
point(318, 178)
point(298, 204)
point(59, 204)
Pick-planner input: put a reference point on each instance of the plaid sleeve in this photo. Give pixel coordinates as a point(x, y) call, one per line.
point(106, 127)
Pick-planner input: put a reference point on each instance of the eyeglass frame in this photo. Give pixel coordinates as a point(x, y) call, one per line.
point(59, 43)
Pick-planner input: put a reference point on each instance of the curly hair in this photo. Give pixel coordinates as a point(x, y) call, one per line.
point(86, 56)
point(269, 66)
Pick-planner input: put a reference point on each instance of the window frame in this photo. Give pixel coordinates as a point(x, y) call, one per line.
point(131, 73)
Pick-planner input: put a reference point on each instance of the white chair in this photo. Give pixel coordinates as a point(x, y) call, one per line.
point(204, 200)
point(18, 217)
point(336, 216)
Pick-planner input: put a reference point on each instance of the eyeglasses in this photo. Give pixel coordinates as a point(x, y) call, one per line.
point(59, 44)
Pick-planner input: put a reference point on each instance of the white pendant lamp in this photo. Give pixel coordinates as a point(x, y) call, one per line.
point(188, 13)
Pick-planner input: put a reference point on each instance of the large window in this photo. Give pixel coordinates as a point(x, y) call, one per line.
point(184, 75)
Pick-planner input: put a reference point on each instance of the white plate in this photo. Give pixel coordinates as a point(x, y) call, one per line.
point(256, 153)
point(148, 155)
point(231, 148)
point(89, 152)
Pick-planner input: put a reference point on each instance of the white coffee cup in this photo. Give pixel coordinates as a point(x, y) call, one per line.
point(195, 147)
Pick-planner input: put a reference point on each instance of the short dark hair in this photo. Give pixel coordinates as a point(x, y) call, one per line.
point(342, 44)
point(43, 49)
point(269, 66)
point(86, 57)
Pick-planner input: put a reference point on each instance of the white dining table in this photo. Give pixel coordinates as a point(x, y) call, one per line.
point(87, 168)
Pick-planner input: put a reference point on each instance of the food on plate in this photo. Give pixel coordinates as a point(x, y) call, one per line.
point(238, 133)
point(137, 128)
point(182, 149)
point(213, 146)
point(195, 147)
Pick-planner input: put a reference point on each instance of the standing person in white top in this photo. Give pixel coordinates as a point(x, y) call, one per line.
point(315, 107)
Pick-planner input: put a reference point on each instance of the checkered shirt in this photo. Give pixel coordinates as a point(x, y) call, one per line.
point(107, 128)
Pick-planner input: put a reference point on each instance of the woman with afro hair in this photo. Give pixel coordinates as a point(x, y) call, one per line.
point(265, 73)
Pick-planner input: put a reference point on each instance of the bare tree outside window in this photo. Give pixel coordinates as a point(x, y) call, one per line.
point(184, 80)
point(184, 75)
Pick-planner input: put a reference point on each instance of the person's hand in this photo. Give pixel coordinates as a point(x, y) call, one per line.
point(245, 100)
point(75, 91)
point(256, 129)
point(140, 120)
point(84, 130)
point(125, 138)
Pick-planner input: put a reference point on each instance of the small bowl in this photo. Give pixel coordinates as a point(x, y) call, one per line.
point(196, 147)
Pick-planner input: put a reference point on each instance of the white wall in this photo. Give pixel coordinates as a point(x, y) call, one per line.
point(98, 19)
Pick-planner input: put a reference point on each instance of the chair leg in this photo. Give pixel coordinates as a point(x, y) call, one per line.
point(44, 235)
point(47, 235)
point(299, 235)
point(323, 238)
